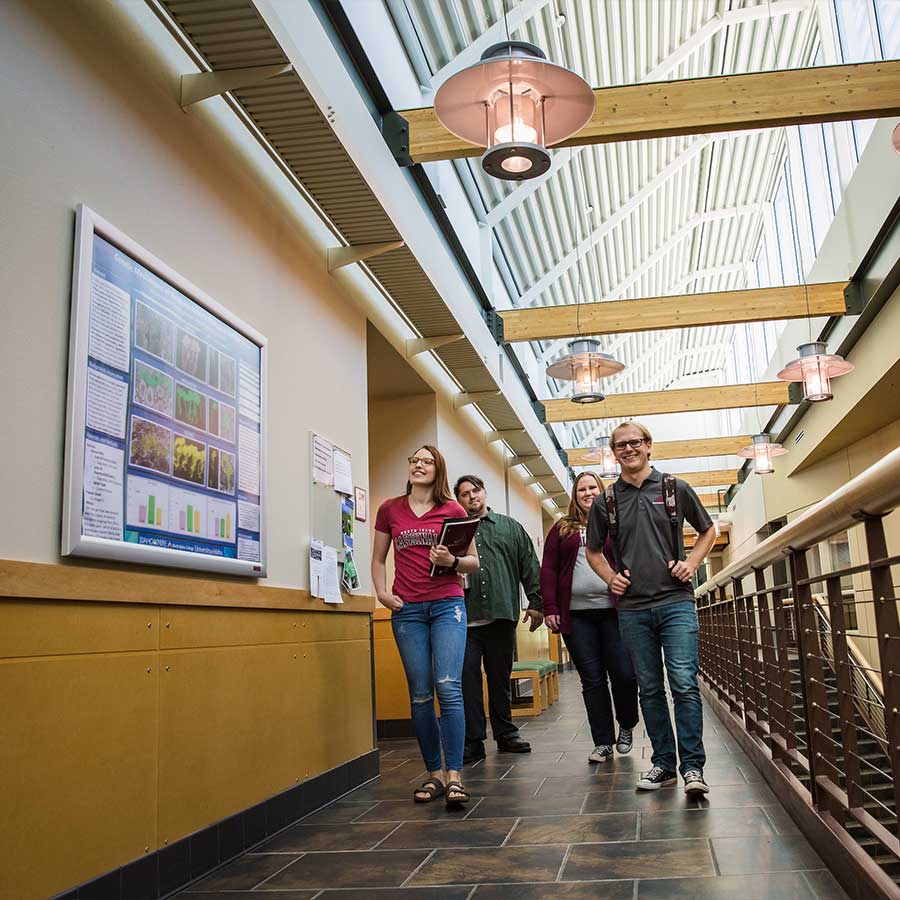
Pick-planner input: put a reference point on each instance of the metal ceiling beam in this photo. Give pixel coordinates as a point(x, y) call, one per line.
point(651, 403)
point(716, 446)
point(705, 106)
point(686, 311)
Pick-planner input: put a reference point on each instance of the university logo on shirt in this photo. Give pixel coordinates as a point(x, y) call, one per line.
point(415, 537)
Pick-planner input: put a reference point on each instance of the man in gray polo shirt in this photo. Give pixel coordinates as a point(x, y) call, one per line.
point(656, 602)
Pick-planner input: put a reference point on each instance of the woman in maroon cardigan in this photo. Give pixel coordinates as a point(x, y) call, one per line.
point(579, 605)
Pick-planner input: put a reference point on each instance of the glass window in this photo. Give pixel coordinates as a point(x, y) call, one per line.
point(784, 226)
point(818, 188)
point(887, 12)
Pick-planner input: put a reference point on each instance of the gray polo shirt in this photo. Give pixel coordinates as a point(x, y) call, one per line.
point(644, 542)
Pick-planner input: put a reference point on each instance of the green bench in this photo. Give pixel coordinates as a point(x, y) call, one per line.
point(544, 678)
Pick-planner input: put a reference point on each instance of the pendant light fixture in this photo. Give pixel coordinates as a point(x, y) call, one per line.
point(515, 103)
point(895, 139)
point(762, 451)
point(604, 457)
point(585, 365)
point(815, 368)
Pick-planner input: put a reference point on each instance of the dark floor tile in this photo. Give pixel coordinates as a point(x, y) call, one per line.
point(825, 886)
point(498, 807)
point(631, 860)
point(583, 890)
point(428, 893)
point(342, 811)
point(781, 820)
point(376, 868)
point(739, 856)
point(468, 833)
point(777, 886)
point(243, 874)
point(306, 838)
point(727, 797)
point(575, 829)
point(751, 773)
point(491, 865)
point(695, 823)
point(407, 811)
point(520, 788)
point(241, 895)
point(489, 768)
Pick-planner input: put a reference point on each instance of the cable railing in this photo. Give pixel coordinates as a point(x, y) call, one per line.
point(822, 706)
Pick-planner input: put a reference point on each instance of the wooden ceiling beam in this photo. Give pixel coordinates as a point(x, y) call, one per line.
point(717, 446)
point(712, 478)
point(543, 323)
point(635, 112)
point(712, 501)
point(651, 403)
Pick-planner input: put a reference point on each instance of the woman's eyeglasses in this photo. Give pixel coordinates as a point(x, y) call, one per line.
point(634, 443)
point(424, 460)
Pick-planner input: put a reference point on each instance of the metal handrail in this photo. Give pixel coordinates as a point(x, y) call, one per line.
point(874, 492)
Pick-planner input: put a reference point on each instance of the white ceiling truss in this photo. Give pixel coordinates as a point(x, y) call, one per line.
point(641, 219)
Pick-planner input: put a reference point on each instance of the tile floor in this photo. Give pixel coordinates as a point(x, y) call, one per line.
point(543, 825)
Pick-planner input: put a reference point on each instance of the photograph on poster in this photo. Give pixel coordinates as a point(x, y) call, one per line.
point(158, 369)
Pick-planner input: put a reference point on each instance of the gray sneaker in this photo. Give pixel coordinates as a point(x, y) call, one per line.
point(625, 740)
point(601, 754)
point(656, 778)
point(694, 783)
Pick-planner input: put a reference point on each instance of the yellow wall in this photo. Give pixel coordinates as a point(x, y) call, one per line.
point(102, 759)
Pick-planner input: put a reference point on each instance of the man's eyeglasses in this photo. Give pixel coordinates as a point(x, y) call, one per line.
point(425, 460)
point(634, 443)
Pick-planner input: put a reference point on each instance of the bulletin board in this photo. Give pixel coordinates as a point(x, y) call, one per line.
point(166, 416)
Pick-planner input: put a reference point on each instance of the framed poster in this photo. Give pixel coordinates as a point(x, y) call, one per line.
point(359, 497)
point(166, 416)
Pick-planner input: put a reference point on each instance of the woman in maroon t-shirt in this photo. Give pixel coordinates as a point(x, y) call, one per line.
point(428, 616)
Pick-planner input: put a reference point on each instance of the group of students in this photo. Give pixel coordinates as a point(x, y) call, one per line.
point(613, 582)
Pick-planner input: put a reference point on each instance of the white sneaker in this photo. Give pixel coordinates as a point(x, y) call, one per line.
point(601, 754)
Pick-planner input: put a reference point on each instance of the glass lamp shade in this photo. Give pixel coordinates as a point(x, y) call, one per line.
point(815, 368)
point(762, 451)
point(586, 366)
point(895, 139)
point(603, 456)
point(515, 103)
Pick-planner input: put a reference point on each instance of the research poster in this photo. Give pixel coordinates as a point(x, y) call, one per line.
point(172, 421)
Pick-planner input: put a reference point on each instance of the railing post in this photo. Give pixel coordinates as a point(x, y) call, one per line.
point(821, 748)
point(771, 681)
point(747, 673)
point(845, 691)
point(888, 625)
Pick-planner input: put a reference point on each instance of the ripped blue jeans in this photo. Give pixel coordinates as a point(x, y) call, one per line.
point(431, 638)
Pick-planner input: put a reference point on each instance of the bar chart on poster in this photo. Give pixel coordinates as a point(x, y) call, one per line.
point(166, 416)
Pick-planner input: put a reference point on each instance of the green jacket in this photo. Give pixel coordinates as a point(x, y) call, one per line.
point(507, 560)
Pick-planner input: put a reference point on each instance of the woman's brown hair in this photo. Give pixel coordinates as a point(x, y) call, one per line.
point(575, 518)
point(440, 489)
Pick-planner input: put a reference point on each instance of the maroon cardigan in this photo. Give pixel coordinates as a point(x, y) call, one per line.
point(557, 568)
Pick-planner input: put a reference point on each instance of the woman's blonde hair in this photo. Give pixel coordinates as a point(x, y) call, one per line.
point(576, 518)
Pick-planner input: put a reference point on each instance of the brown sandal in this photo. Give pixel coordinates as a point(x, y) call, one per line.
point(462, 796)
point(432, 788)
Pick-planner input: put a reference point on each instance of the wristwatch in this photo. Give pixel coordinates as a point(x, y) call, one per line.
point(455, 564)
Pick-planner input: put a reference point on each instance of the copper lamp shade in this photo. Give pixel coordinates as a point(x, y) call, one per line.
point(762, 451)
point(895, 139)
point(515, 104)
point(585, 365)
point(815, 368)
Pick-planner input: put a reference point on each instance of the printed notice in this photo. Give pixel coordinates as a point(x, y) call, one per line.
point(248, 516)
point(103, 482)
point(323, 460)
point(110, 324)
point(343, 473)
point(332, 581)
point(249, 396)
point(248, 548)
point(248, 453)
point(107, 403)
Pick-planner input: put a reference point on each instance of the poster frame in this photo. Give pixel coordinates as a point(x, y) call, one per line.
point(74, 543)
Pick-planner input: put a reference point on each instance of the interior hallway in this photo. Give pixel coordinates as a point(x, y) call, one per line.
point(542, 825)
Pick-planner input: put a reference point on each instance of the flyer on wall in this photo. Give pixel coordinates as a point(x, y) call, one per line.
point(172, 419)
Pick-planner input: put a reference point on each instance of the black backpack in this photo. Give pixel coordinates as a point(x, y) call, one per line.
point(670, 498)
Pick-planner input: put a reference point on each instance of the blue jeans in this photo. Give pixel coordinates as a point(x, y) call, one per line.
point(431, 638)
point(670, 629)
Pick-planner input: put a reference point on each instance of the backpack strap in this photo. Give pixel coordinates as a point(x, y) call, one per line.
point(612, 512)
point(670, 498)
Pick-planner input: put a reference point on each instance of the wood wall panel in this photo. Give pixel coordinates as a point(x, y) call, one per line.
point(391, 690)
point(78, 775)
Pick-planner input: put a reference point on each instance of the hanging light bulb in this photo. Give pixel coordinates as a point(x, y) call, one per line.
point(515, 104)
point(585, 365)
point(815, 368)
point(762, 451)
point(603, 456)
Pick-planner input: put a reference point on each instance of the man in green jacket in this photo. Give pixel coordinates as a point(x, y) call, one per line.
point(492, 606)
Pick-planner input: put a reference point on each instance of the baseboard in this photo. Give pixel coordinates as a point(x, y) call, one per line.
point(394, 728)
point(856, 871)
point(171, 868)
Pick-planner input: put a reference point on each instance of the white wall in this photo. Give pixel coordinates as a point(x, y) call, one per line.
point(88, 91)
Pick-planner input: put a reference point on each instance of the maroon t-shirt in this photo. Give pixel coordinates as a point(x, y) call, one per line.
point(412, 537)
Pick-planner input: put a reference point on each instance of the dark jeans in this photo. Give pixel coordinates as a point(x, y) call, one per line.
point(598, 654)
point(494, 643)
point(670, 630)
point(431, 638)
